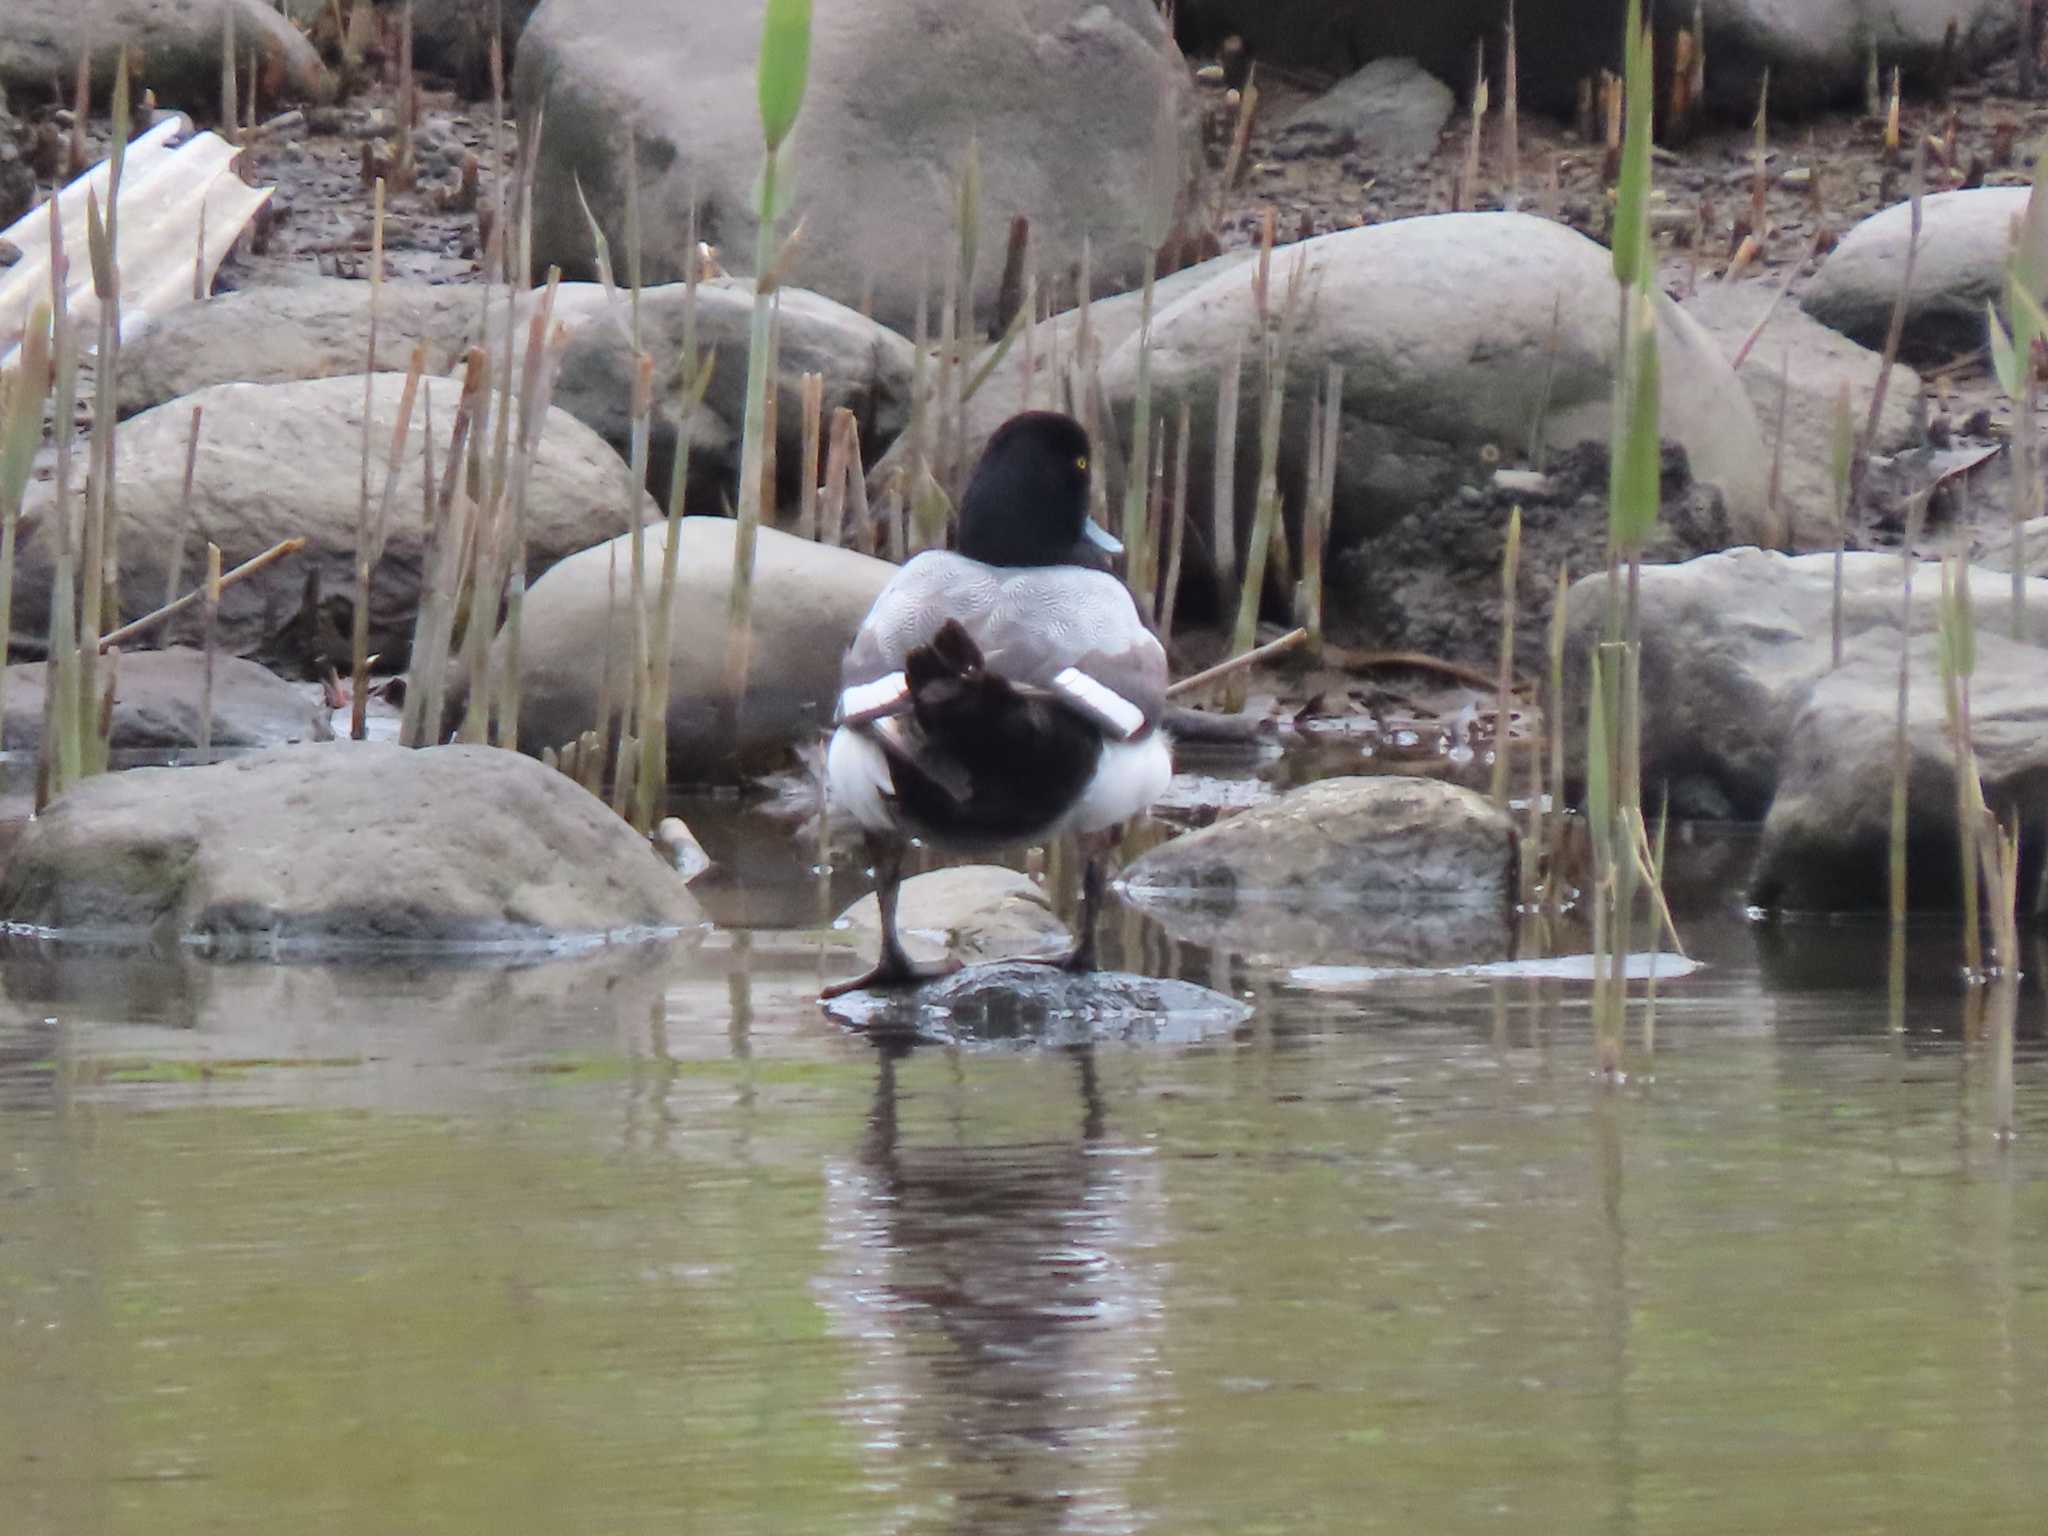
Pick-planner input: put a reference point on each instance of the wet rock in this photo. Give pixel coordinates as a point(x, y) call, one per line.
point(808, 600)
point(278, 460)
point(1355, 865)
point(1063, 99)
point(1816, 52)
point(866, 367)
point(979, 912)
point(347, 843)
point(156, 704)
point(1733, 644)
point(1826, 843)
point(1018, 1004)
point(1816, 363)
point(315, 329)
point(1390, 114)
point(177, 41)
point(1964, 238)
point(1444, 328)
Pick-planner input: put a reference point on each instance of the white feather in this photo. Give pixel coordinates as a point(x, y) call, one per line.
point(1100, 702)
point(1129, 777)
point(857, 780)
point(872, 698)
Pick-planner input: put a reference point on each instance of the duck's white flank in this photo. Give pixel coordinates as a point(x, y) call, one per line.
point(1128, 778)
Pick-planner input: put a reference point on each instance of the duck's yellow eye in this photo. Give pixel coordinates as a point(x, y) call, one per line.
point(1081, 462)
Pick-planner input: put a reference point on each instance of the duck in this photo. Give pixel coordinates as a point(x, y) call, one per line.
point(1004, 692)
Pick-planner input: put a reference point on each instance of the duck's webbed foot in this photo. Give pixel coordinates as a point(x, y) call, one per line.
point(897, 970)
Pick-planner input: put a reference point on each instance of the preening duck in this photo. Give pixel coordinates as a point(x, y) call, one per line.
point(1007, 693)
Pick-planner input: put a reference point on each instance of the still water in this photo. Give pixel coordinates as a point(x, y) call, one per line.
point(638, 1241)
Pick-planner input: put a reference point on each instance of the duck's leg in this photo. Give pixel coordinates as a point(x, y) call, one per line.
point(1094, 881)
point(893, 968)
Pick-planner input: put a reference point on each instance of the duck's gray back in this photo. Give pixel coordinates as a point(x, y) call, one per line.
point(1032, 624)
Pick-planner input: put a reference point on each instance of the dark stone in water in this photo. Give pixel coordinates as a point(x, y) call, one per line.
point(1016, 1003)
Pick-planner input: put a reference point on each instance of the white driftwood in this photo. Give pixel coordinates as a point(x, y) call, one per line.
point(176, 186)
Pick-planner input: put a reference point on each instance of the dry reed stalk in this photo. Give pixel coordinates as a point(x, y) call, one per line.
point(1223, 480)
point(359, 664)
point(281, 550)
point(1177, 519)
point(230, 117)
point(1504, 695)
point(1236, 665)
point(832, 497)
point(176, 569)
point(450, 552)
point(1511, 113)
point(1466, 194)
point(208, 646)
point(813, 391)
point(1266, 519)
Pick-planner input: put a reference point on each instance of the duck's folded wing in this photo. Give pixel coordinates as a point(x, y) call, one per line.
point(1062, 631)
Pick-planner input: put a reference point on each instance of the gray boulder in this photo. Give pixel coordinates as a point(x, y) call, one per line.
point(1066, 100)
point(808, 600)
point(866, 367)
point(1996, 547)
point(978, 912)
point(1826, 844)
point(1111, 322)
point(345, 844)
point(1443, 326)
point(177, 44)
point(1815, 363)
point(1964, 241)
point(1389, 114)
point(315, 329)
point(1390, 867)
point(1733, 645)
point(156, 704)
point(277, 460)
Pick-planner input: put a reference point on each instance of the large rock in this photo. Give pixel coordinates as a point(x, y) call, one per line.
point(157, 704)
point(1827, 841)
point(17, 181)
point(1996, 552)
point(1965, 238)
point(315, 329)
point(1817, 50)
point(1066, 100)
point(1733, 645)
point(1814, 363)
point(348, 843)
point(1052, 340)
point(866, 367)
point(1444, 328)
point(1394, 867)
point(177, 44)
point(808, 600)
point(978, 912)
point(1388, 114)
point(277, 460)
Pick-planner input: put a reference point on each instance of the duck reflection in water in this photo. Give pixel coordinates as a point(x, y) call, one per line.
point(1003, 1295)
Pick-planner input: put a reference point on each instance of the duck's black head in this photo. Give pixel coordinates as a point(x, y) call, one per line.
point(1027, 501)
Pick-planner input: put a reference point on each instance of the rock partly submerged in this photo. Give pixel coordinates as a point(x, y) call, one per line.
point(1015, 1003)
point(349, 844)
point(1733, 646)
point(808, 600)
point(1827, 841)
point(1394, 869)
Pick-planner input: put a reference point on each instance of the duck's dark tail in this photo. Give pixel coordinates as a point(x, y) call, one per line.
point(986, 757)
